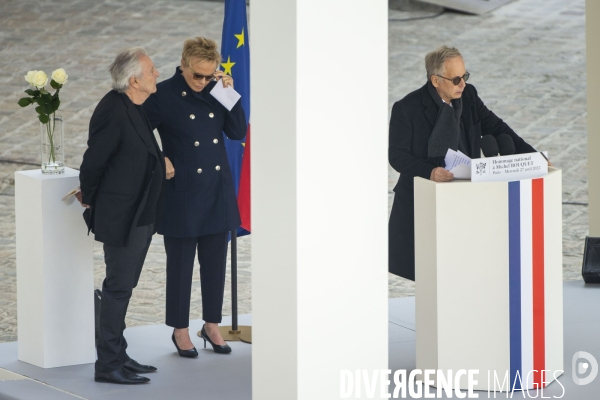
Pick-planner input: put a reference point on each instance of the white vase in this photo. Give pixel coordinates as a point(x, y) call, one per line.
point(52, 146)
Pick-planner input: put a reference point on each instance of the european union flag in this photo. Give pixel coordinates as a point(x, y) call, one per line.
point(236, 62)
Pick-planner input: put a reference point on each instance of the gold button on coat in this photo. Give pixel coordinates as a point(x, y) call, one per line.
point(211, 115)
point(199, 170)
point(217, 168)
point(192, 116)
point(215, 141)
point(183, 93)
point(196, 144)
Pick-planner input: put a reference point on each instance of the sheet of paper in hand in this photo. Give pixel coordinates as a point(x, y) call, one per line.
point(71, 193)
point(226, 96)
point(458, 163)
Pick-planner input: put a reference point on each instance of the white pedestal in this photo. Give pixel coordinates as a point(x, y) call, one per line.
point(55, 282)
point(489, 280)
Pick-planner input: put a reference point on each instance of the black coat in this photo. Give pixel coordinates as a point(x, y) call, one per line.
point(117, 169)
point(412, 121)
point(200, 198)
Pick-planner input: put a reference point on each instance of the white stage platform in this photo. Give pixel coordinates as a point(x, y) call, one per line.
point(214, 377)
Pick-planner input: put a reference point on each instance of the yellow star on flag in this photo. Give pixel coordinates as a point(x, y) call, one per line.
point(228, 65)
point(240, 39)
point(244, 144)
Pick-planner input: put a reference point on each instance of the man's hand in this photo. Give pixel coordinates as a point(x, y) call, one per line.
point(79, 197)
point(170, 169)
point(439, 174)
point(227, 79)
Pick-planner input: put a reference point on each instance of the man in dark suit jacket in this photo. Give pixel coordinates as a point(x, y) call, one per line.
point(445, 113)
point(122, 177)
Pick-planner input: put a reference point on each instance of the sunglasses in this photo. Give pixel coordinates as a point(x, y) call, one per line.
point(199, 77)
point(456, 80)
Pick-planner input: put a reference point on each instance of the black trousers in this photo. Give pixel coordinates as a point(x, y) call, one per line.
point(123, 268)
point(401, 237)
point(212, 256)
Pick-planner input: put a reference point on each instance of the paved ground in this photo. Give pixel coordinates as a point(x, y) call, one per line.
point(527, 60)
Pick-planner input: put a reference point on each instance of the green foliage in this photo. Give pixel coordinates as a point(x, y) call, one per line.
point(25, 101)
point(47, 103)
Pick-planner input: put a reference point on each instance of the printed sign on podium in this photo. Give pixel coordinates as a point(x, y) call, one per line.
point(509, 168)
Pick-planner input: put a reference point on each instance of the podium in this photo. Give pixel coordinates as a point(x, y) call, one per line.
point(488, 260)
point(55, 272)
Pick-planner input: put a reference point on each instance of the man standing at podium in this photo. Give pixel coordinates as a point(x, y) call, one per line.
point(122, 186)
point(445, 113)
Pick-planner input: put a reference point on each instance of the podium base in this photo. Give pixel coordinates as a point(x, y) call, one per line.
point(246, 335)
point(243, 333)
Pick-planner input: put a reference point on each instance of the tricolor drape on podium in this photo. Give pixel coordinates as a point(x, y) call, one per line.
point(236, 62)
point(526, 264)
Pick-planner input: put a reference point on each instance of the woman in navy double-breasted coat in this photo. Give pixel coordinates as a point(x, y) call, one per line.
point(200, 203)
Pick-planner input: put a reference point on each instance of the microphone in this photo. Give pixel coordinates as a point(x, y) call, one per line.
point(506, 145)
point(489, 146)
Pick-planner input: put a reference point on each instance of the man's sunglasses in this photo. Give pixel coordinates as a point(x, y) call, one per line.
point(456, 80)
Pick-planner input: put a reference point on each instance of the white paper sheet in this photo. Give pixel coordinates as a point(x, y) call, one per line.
point(226, 96)
point(458, 163)
point(461, 171)
point(454, 158)
point(71, 193)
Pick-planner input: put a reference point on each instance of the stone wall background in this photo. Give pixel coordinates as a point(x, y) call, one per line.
point(527, 60)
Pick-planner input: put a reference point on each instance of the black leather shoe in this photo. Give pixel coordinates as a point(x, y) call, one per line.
point(217, 348)
point(138, 368)
point(191, 353)
point(121, 376)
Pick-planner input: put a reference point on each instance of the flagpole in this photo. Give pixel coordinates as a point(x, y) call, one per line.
point(234, 49)
point(234, 332)
point(234, 309)
point(245, 332)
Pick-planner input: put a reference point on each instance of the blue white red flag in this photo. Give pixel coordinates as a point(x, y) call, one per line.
point(236, 62)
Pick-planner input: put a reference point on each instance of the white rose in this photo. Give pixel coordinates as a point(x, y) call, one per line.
point(60, 76)
point(39, 79)
point(29, 77)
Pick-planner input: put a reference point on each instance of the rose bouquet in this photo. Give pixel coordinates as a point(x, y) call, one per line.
point(47, 105)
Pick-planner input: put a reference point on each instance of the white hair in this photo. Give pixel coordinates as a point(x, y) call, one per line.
point(126, 65)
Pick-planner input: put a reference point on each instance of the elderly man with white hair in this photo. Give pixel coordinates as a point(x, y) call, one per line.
point(122, 187)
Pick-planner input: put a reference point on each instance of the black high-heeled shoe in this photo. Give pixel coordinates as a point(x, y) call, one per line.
point(217, 348)
point(191, 353)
